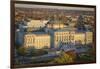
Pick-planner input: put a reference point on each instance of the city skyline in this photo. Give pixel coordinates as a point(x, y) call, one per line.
point(47, 34)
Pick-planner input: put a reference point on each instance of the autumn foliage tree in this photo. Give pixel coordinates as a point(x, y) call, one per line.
point(64, 58)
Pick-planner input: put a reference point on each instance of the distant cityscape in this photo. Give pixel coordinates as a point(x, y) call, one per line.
point(53, 36)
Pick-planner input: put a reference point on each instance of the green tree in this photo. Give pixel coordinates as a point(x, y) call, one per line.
point(31, 51)
point(87, 58)
point(22, 51)
point(45, 47)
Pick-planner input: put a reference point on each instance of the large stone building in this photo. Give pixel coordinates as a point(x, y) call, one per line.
point(89, 37)
point(40, 40)
point(63, 36)
point(36, 24)
point(80, 38)
point(56, 26)
point(54, 35)
point(37, 41)
point(72, 36)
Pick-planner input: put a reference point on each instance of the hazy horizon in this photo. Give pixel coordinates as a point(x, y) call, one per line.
point(53, 7)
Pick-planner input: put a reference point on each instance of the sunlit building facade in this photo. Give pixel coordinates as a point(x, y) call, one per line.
point(73, 37)
point(29, 40)
point(56, 26)
point(63, 36)
point(80, 38)
point(36, 24)
point(89, 37)
point(42, 41)
point(37, 41)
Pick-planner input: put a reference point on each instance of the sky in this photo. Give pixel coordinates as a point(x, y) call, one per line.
point(54, 7)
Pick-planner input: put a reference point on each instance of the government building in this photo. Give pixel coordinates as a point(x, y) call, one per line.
point(73, 37)
point(37, 40)
point(36, 24)
point(40, 41)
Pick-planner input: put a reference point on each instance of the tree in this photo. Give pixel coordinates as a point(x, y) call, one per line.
point(45, 47)
point(80, 23)
point(51, 19)
point(86, 58)
point(64, 58)
point(32, 51)
point(22, 51)
point(69, 20)
point(36, 52)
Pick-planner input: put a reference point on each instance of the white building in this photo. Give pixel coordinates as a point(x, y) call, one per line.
point(37, 41)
